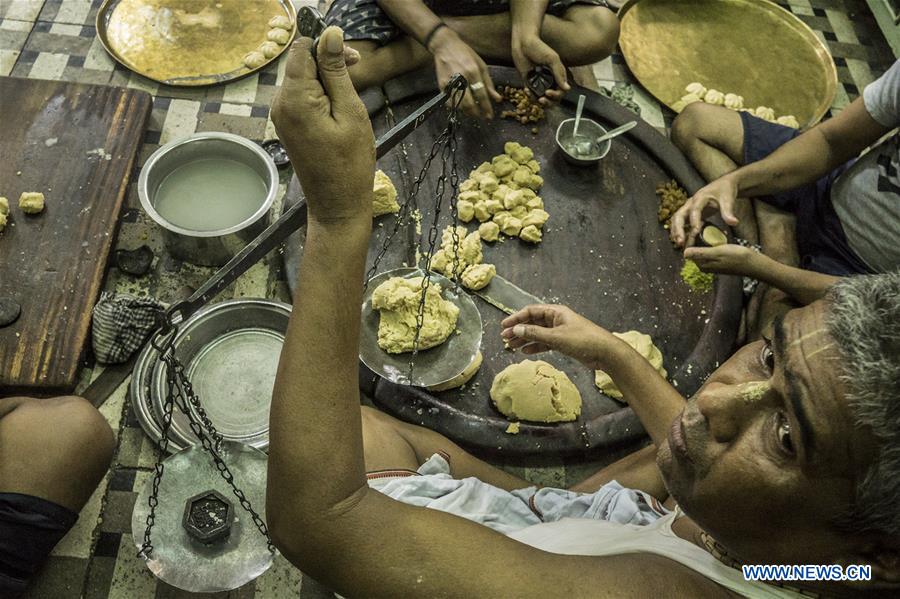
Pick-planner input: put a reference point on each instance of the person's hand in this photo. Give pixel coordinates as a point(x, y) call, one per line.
point(729, 259)
point(452, 56)
point(722, 193)
point(544, 327)
point(530, 51)
point(326, 130)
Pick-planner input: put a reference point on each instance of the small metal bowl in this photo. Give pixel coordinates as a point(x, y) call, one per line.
point(588, 128)
point(230, 353)
point(216, 247)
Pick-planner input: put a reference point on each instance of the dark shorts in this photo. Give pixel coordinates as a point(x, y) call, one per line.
point(821, 242)
point(363, 20)
point(29, 529)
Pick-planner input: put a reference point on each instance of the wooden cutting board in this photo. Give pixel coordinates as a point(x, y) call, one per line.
point(76, 144)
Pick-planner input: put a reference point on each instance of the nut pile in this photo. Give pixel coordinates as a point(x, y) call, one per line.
point(526, 107)
point(671, 198)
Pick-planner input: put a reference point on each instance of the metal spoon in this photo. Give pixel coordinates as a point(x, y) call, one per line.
point(616, 132)
point(578, 110)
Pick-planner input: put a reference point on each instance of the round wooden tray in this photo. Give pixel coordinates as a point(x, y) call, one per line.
point(604, 254)
point(753, 48)
point(189, 43)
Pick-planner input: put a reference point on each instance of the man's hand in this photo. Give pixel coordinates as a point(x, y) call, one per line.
point(543, 327)
point(722, 193)
point(729, 259)
point(451, 56)
point(326, 122)
point(530, 51)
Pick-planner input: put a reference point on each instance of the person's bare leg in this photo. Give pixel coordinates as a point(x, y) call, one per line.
point(56, 449)
point(378, 64)
point(712, 138)
point(635, 471)
point(392, 444)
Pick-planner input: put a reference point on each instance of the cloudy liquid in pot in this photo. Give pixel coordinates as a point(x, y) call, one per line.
point(210, 194)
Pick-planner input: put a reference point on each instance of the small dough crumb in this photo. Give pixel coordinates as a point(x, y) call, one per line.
point(4, 212)
point(512, 226)
point(31, 202)
point(489, 231)
point(384, 197)
point(269, 49)
point(255, 59)
point(534, 390)
point(463, 377)
point(280, 22)
point(477, 276)
point(513, 428)
point(642, 344)
point(398, 301)
point(279, 36)
point(531, 234)
point(536, 217)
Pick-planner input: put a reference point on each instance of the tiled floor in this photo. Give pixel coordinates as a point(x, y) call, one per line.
point(55, 39)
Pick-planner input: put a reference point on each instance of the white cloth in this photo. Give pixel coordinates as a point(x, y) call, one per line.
point(611, 521)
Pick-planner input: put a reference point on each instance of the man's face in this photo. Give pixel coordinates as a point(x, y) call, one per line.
point(765, 455)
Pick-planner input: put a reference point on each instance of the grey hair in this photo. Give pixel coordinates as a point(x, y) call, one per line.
point(864, 321)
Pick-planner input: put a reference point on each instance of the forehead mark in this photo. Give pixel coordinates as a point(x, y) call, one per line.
point(803, 338)
point(820, 350)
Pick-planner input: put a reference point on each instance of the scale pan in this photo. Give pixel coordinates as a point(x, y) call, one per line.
point(185, 563)
point(431, 366)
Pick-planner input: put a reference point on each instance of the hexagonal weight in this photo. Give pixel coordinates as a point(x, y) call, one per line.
point(208, 517)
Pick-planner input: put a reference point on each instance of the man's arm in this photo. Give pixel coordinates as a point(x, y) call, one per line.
point(321, 513)
point(802, 160)
point(11, 403)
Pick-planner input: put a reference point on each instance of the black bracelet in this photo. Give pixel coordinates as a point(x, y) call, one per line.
point(431, 33)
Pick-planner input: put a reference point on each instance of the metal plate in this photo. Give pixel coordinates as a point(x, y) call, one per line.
point(431, 366)
point(189, 42)
point(140, 393)
point(753, 48)
point(179, 560)
point(230, 353)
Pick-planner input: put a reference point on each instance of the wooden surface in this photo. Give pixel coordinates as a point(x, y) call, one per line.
point(604, 254)
point(57, 135)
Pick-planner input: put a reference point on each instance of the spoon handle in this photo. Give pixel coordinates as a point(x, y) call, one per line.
point(578, 110)
point(616, 132)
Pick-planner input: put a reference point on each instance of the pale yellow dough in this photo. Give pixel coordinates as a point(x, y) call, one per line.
point(643, 344)
point(531, 234)
point(384, 198)
point(489, 231)
point(788, 120)
point(269, 49)
point(279, 36)
point(534, 390)
point(477, 276)
point(4, 212)
point(463, 377)
point(280, 22)
point(31, 202)
point(255, 59)
point(398, 301)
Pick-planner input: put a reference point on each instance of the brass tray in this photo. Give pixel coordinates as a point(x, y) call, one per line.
point(753, 48)
point(189, 42)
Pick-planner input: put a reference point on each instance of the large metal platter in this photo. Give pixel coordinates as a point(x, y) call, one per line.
point(604, 254)
point(188, 42)
point(753, 48)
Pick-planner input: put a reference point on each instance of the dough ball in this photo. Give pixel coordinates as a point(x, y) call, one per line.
point(397, 299)
point(4, 206)
point(447, 236)
point(488, 182)
point(512, 226)
point(534, 390)
point(519, 153)
point(31, 202)
point(503, 165)
point(269, 49)
point(279, 36)
point(513, 199)
point(513, 428)
point(469, 184)
point(765, 113)
point(477, 276)
point(696, 88)
point(384, 198)
point(522, 176)
point(789, 120)
point(643, 345)
point(535, 203)
point(481, 212)
point(255, 59)
point(465, 210)
point(535, 182)
point(471, 248)
point(493, 206)
point(734, 101)
point(472, 195)
point(519, 212)
point(686, 100)
point(715, 97)
point(501, 217)
point(3, 219)
point(280, 22)
point(463, 377)
point(489, 231)
point(501, 192)
point(536, 217)
point(533, 166)
point(531, 234)
point(484, 167)
point(439, 262)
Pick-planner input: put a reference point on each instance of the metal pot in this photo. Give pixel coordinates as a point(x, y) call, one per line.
point(207, 248)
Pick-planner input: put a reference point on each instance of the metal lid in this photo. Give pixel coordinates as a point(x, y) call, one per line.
point(230, 353)
point(182, 561)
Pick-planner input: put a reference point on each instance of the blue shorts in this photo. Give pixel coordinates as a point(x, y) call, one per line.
point(821, 242)
point(29, 529)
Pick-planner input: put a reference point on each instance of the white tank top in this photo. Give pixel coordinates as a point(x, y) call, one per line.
point(572, 536)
